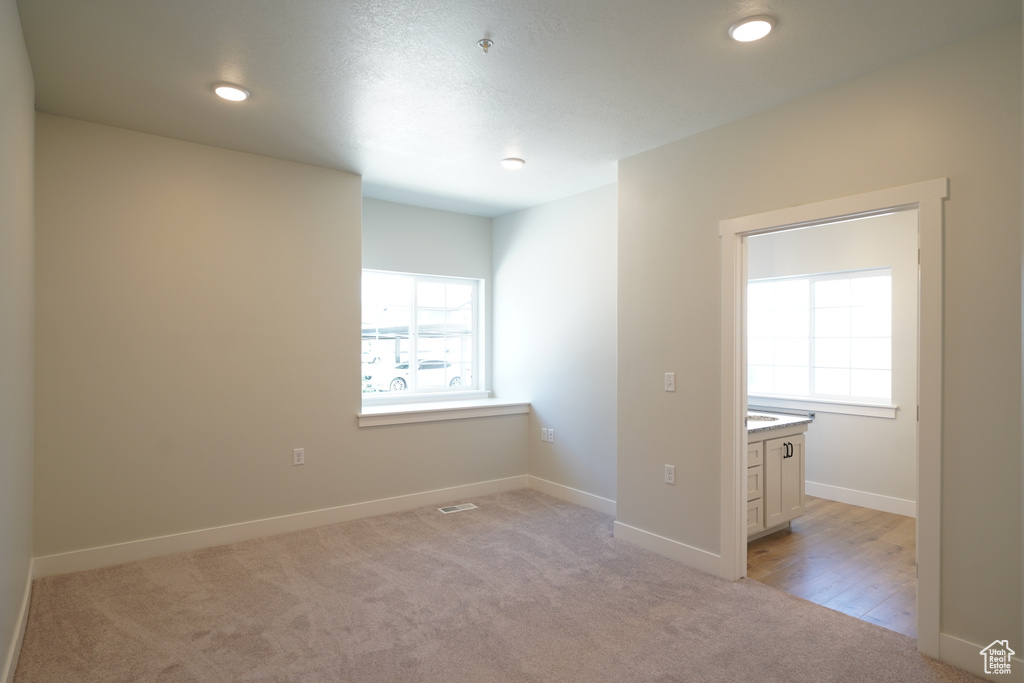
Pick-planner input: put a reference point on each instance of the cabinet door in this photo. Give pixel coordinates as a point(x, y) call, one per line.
point(755, 453)
point(783, 479)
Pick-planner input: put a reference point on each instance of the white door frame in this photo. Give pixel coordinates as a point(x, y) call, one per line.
point(928, 198)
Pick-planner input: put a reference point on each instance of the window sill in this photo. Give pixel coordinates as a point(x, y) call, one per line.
point(374, 400)
point(407, 413)
point(819, 406)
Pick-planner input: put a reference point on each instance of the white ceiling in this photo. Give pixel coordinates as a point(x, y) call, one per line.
point(399, 92)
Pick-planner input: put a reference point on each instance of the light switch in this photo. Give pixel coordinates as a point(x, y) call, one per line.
point(670, 381)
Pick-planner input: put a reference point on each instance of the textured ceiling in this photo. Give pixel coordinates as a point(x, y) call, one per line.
point(398, 91)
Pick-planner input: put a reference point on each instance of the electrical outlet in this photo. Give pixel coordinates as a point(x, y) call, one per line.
point(299, 456)
point(543, 433)
point(670, 474)
point(670, 381)
point(551, 435)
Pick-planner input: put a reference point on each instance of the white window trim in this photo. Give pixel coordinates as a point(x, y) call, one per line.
point(475, 393)
point(408, 413)
point(825, 406)
point(404, 398)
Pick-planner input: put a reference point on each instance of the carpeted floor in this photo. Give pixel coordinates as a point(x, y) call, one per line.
point(524, 588)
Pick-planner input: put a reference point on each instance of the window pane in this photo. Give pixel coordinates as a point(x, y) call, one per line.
point(761, 379)
point(832, 381)
point(430, 321)
point(430, 294)
point(831, 293)
point(458, 296)
point(760, 351)
point(759, 296)
point(792, 351)
point(459, 321)
point(792, 381)
point(418, 332)
point(871, 321)
point(831, 353)
point(832, 322)
point(793, 322)
point(431, 372)
point(791, 294)
point(850, 317)
point(871, 354)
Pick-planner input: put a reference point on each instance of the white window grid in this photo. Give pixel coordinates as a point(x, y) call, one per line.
point(419, 315)
point(824, 336)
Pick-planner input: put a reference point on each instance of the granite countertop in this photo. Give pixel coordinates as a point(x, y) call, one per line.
point(781, 420)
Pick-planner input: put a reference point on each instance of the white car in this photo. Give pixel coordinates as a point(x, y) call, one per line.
point(432, 373)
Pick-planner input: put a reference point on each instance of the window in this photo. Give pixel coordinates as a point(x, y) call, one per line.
point(420, 333)
point(826, 336)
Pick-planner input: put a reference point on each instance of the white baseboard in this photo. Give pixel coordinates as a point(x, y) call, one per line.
point(674, 550)
point(11, 663)
point(587, 500)
point(967, 656)
point(875, 501)
point(119, 553)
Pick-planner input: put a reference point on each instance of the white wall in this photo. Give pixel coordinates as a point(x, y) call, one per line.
point(860, 455)
point(954, 113)
point(412, 239)
point(16, 302)
point(555, 333)
point(198, 318)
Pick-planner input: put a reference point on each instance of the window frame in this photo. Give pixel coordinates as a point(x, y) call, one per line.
point(476, 389)
point(853, 405)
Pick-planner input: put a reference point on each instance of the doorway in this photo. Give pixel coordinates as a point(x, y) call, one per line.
point(927, 198)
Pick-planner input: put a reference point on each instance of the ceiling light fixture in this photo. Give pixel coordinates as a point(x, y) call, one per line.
point(231, 92)
point(513, 163)
point(752, 28)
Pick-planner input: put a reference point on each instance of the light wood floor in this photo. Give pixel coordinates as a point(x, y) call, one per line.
point(851, 559)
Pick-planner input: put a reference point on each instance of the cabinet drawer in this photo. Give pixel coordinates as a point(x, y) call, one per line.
point(755, 453)
point(755, 482)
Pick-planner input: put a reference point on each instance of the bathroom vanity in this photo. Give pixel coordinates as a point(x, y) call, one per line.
point(775, 471)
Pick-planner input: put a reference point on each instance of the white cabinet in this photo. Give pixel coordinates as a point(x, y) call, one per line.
point(755, 487)
point(775, 479)
point(784, 479)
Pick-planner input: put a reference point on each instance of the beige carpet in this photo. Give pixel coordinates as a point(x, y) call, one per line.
point(524, 588)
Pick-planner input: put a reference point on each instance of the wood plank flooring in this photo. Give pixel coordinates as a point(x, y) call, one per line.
point(848, 558)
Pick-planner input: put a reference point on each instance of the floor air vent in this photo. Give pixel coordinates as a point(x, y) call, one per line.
point(457, 508)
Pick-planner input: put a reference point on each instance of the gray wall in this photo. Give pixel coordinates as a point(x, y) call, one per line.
point(411, 239)
point(954, 113)
point(555, 337)
point(198, 318)
point(864, 454)
point(16, 302)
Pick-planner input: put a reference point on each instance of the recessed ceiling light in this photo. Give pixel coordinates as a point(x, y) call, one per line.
point(513, 163)
point(752, 28)
point(231, 92)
